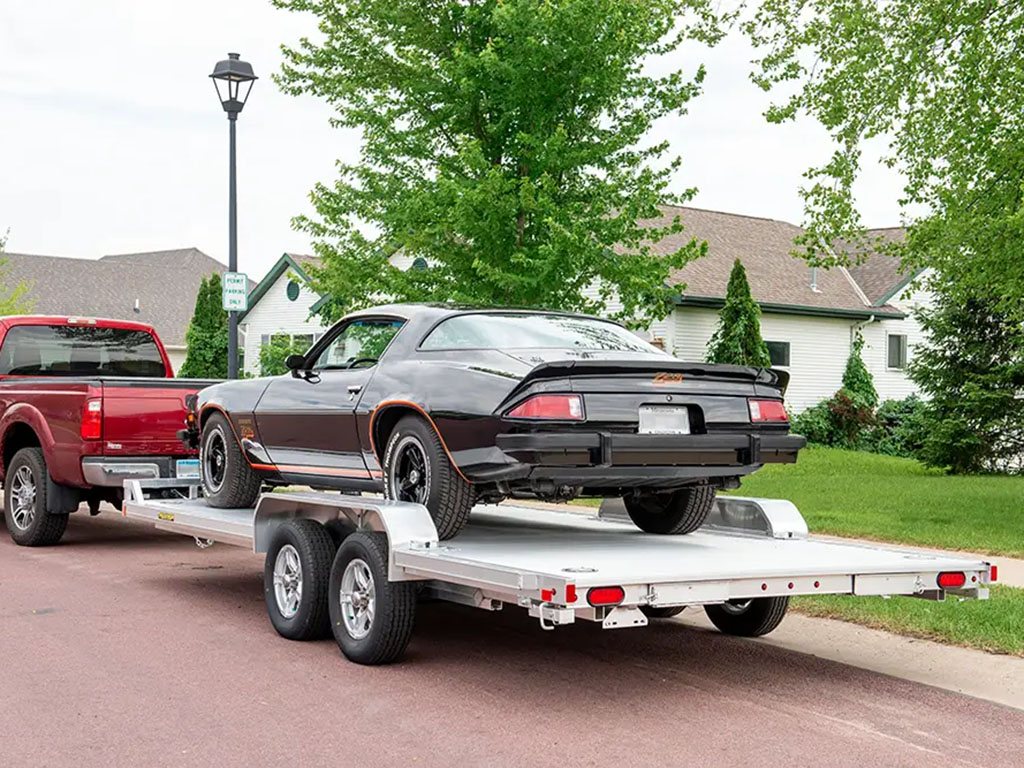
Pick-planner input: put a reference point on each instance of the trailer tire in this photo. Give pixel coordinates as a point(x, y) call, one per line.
point(295, 579)
point(372, 618)
point(437, 485)
point(748, 618)
point(652, 612)
point(228, 480)
point(675, 513)
point(25, 501)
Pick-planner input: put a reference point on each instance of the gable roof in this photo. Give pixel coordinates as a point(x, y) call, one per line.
point(164, 283)
point(880, 275)
point(288, 261)
point(779, 281)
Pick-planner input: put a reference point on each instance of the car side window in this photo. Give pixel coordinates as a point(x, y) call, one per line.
point(359, 345)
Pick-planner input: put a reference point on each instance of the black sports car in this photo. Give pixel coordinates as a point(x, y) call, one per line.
point(448, 406)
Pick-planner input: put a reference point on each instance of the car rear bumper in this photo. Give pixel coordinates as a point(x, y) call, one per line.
point(111, 471)
point(608, 459)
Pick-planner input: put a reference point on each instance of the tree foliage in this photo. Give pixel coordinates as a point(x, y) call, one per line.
point(972, 369)
point(737, 339)
point(942, 82)
point(14, 300)
point(276, 351)
point(207, 336)
point(502, 142)
point(858, 383)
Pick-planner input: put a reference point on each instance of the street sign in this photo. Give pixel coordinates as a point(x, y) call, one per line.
point(235, 292)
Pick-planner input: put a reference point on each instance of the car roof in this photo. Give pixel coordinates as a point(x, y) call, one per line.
point(411, 310)
point(10, 321)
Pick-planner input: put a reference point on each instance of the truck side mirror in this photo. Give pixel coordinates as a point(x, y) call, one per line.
point(295, 362)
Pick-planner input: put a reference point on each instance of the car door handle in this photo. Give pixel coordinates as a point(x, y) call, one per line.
point(355, 389)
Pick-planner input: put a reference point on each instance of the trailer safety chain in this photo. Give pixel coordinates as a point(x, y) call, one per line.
point(203, 543)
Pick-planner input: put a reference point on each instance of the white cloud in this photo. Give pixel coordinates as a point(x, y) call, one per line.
point(113, 139)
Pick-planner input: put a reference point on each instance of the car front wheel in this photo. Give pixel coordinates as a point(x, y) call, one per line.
point(228, 480)
point(675, 512)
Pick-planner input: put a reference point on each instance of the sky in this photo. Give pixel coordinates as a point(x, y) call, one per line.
point(112, 139)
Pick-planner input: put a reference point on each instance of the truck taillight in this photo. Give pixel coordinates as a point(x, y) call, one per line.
point(762, 411)
point(561, 407)
point(92, 420)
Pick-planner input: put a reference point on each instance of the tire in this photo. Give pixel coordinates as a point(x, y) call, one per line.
point(748, 618)
point(228, 481)
point(661, 613)
point(438, 485)
point(25, 502)
point(359, 580)
point(301, 548)
point(676, 513)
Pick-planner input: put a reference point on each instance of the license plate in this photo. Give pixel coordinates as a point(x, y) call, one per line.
point(187, 469)
point(664, 420)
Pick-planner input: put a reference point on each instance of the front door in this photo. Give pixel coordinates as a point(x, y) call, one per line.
point(307, 420)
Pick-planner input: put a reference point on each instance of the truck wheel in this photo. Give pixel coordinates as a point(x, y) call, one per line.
point(228, 480)
point(295, 578)
point(417, 468)
point(28, 521)
point(748, 618)
point(661, 613)
point(677, 512)
point(372, 618)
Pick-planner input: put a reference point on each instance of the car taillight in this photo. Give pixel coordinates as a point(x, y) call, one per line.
point(767, 410)
point(92, 420)
point(563, 407)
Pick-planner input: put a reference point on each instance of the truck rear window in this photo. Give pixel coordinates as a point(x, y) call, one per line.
point(62, 350)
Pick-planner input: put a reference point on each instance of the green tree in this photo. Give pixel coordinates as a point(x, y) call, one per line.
point(15, 300)
point(972, 369)
point(503, 143)
point(941, 82)
point(207, 336)
point(858, 383)
point(737, 339)
point(276, 351)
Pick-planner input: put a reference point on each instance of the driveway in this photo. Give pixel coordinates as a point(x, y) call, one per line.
point(125, 646)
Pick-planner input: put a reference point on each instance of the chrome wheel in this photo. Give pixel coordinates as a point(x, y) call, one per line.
point(736, 607)
point(409, 472)
point(23, 498)
point(214, 461)
point(358, 599)
point(288, 581)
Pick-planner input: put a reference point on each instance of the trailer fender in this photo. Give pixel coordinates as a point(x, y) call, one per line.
point(405, 524)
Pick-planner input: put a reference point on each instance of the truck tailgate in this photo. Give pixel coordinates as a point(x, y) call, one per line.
point(142, 417)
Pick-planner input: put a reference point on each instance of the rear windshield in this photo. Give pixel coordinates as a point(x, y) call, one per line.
point(60, 350)
point(522, 331)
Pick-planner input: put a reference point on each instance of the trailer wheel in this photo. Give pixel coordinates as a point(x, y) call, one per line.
point(677, 513)
point(651, 612)
point(748, 618)
point(295, 578)
point(28, 521)
point(372, 618)
point(228, 480)
point(417, 469)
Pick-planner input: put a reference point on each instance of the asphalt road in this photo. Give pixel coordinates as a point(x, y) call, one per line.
point(125, 646)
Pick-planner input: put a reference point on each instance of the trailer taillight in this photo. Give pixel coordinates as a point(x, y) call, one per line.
point(560, 407)
point(993, 573)
point(599, 596)
point(952, 579)
point(92, 420)
point(767, 410)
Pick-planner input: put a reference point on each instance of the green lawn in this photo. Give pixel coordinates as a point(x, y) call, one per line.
point(849, 493)
point(995, 625)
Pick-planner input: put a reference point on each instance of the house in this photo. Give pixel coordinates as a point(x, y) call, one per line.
point(810, 317)
point(156, 287)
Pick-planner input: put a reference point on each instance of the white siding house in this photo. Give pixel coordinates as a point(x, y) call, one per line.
point(809, 317)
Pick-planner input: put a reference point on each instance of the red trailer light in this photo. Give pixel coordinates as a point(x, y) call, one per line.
point(762, 411)
point(952, 579)
point(560, 407)
point(92, 420)
point(599, 596)
point(993, 573)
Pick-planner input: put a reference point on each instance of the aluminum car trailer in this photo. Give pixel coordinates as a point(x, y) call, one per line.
point(356, 566)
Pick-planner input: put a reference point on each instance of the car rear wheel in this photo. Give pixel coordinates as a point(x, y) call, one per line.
point(28, 521)
point(748, 618)
point(228, 480)
point(676, 512)
point(417, 469)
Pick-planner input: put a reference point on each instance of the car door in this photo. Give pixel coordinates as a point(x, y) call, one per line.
point(307, 419)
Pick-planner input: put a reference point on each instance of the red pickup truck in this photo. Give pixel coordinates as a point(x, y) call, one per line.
point(85, 404)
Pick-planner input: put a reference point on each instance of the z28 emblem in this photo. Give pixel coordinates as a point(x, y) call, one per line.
point(667, 378)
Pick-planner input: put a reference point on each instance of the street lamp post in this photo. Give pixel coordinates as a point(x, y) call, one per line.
point(233, 80)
